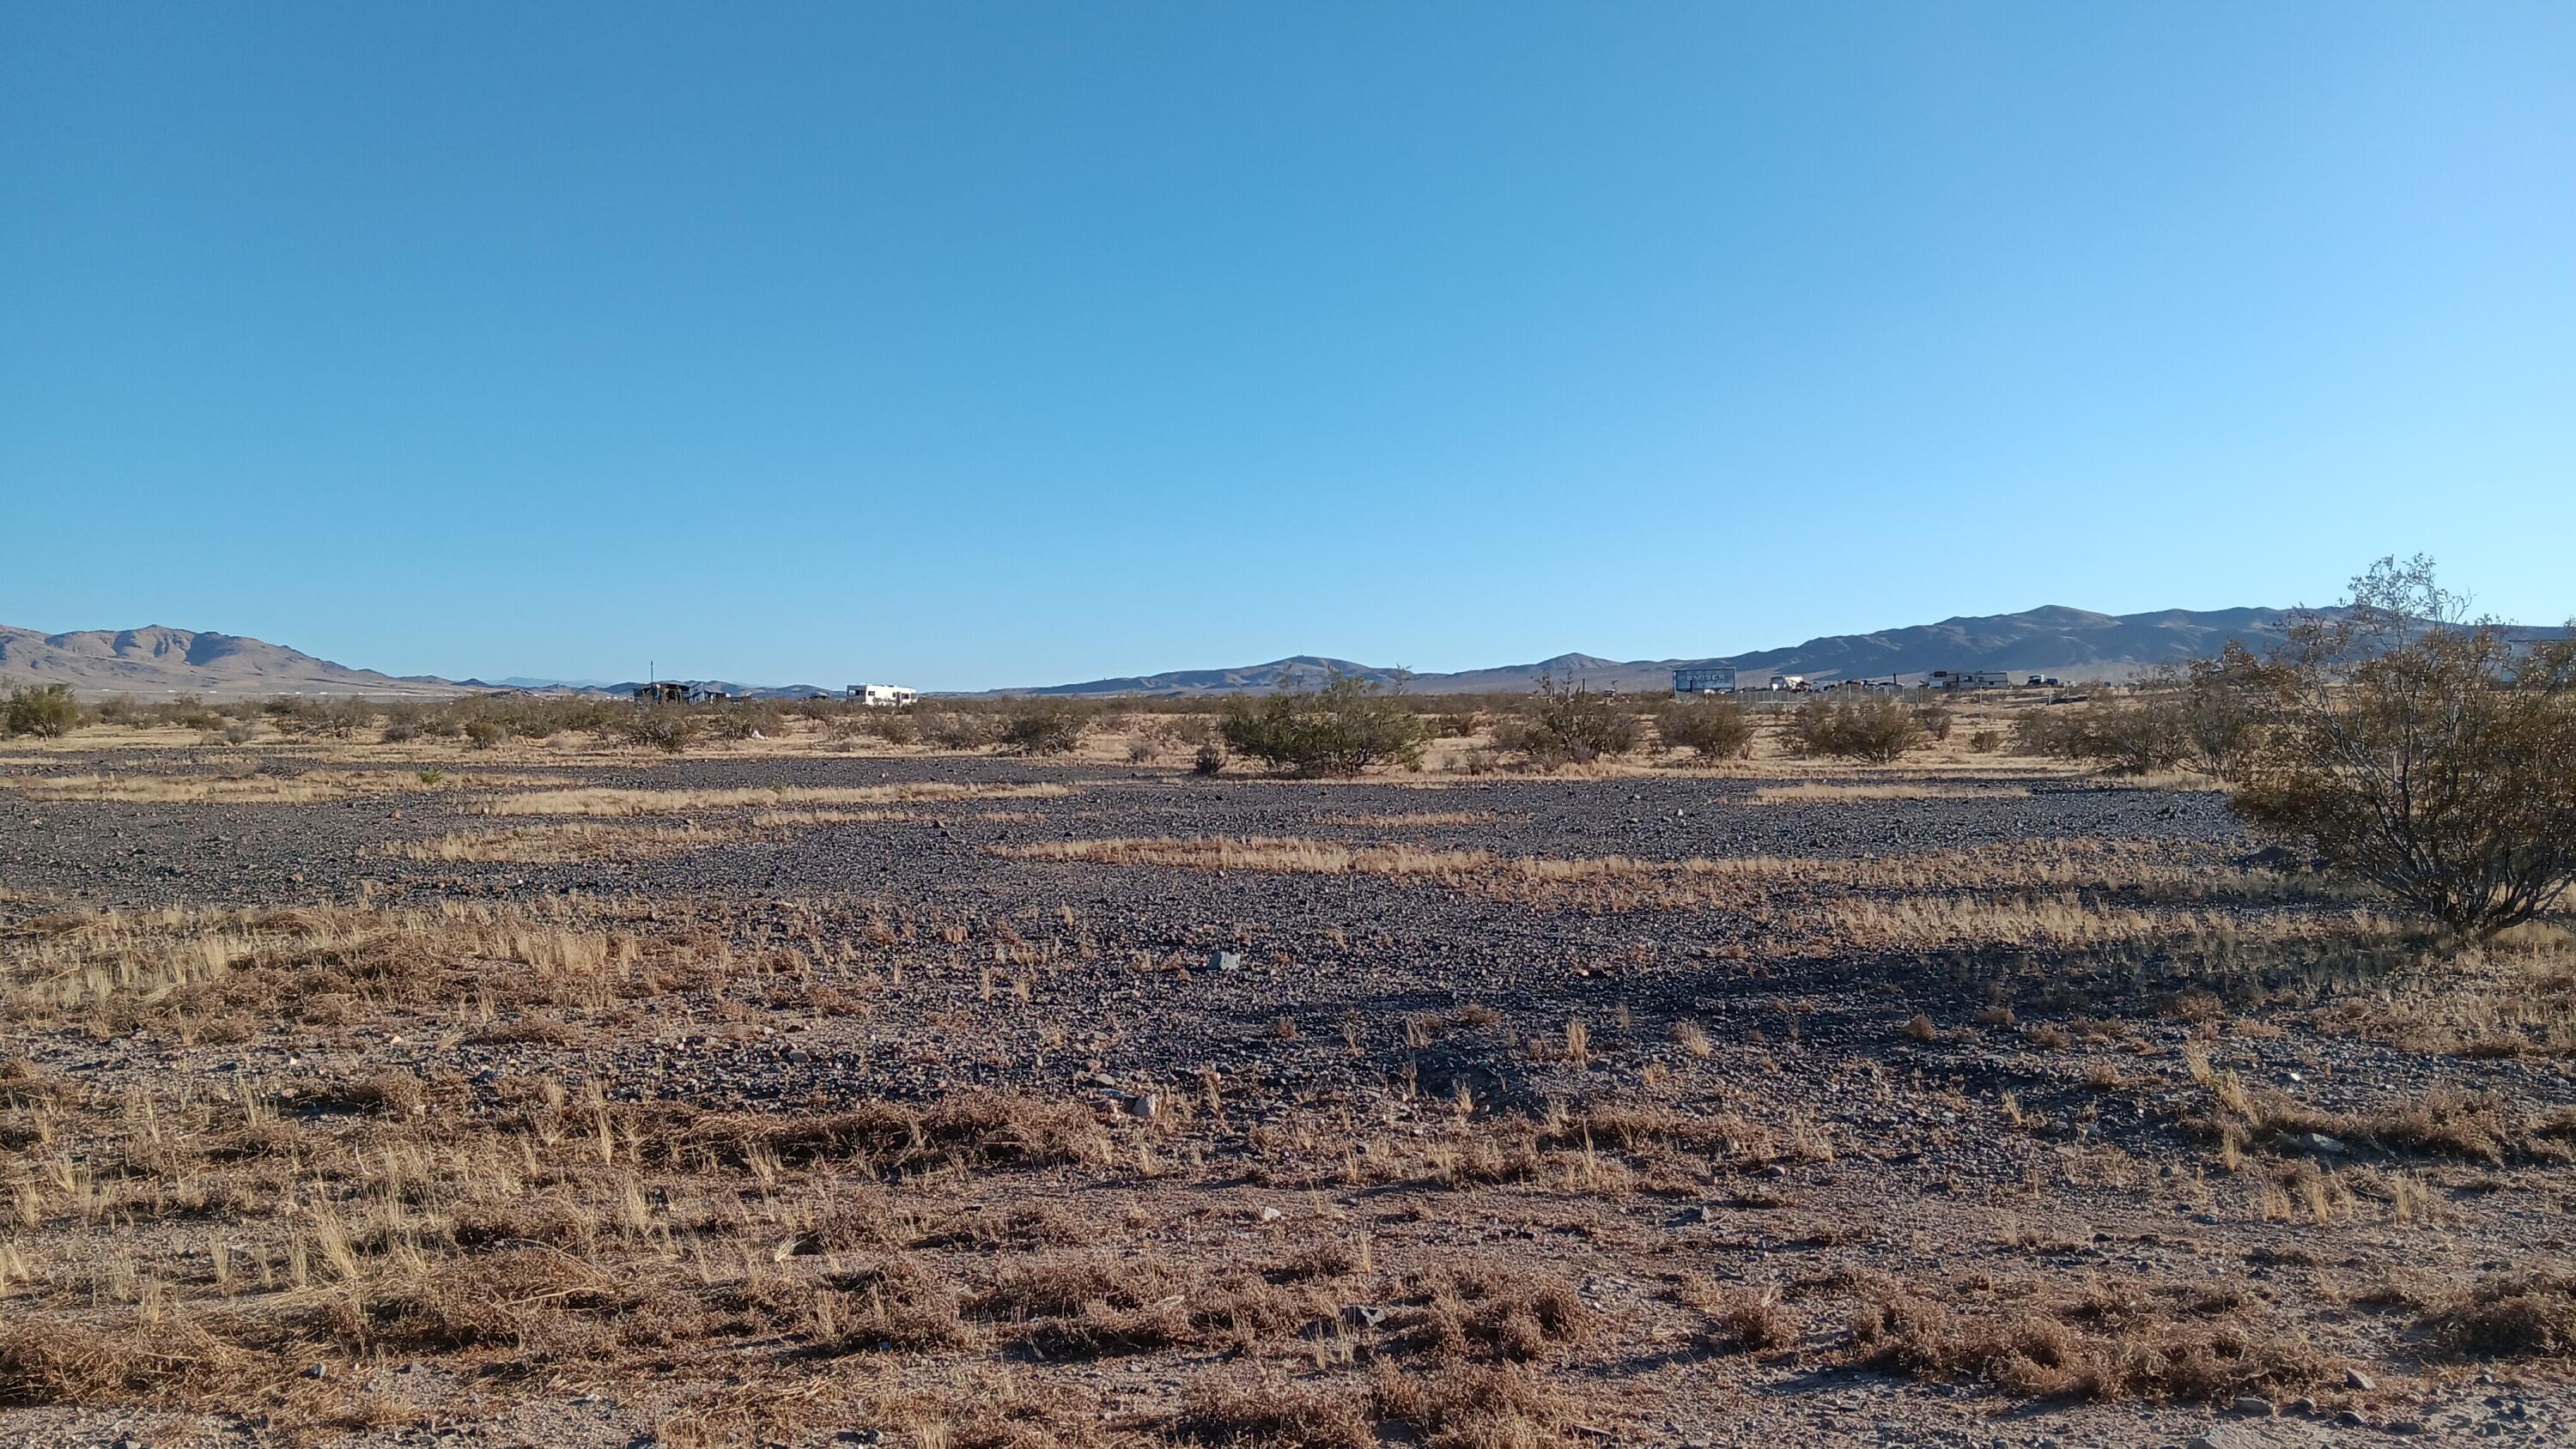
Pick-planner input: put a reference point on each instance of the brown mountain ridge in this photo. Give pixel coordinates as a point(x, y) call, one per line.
point(159, 660)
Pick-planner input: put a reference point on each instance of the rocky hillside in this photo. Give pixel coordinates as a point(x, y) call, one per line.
point(2069, 643)
point(158, 662)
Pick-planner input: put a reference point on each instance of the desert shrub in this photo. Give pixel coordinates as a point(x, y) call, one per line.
point(2216, 710)
point(1343, 728)
point(1558, 725)
point(2205, 714)
point(1209, 760)
point(2055, 734)
point(1454, 724)
point(2420, 751)
point(293, 716)
point(47, 711)
point(1985, 742)
point(821, 708)
point(662, 726)
point(531, 724)
point(1043, 726)
point(338, 719)
point(402, 721)
point(742, 721)
point(958, 729)
point(894, 726)
point(483, 734)
point(120, 709)
point(2135, 735)
point(1718, 729)
point(537, 717)
point(240, 732)
point(1935, 719)
point(1878, 728)
point(189, 713)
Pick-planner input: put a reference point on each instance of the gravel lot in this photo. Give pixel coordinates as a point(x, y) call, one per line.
point(1278, 1057)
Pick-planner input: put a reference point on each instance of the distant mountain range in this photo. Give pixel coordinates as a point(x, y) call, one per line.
point(160, 661)
point(2067, 643)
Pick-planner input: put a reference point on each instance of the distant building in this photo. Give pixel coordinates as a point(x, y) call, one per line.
point(662, 691)
point(884, 696)
point(1710, 679)
point(1969, 679)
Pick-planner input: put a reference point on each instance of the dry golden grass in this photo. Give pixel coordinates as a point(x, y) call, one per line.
point(2128, 1341)
point(2052, 893)
point(1292, 856)
point(188, 1242)
point(357, 1194)
point(565, 843)
point(792, 819)
point(2163, 780)
point(1404, 820)
point(611, 802)
point(255, 789)
point(2026, 921)
point(1826, 794)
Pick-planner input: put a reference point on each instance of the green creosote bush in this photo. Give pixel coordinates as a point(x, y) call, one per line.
point(1878, 728)
point(1717, 729)
point(1347, 726)
point(1561, 726)
point(46, 711)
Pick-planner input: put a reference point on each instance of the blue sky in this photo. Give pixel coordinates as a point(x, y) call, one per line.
point(973, 344)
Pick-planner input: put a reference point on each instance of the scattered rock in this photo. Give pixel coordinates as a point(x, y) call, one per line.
point(2356, 1379)
point(2254, 1406)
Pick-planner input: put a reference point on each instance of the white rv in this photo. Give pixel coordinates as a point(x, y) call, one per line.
point(884, 696)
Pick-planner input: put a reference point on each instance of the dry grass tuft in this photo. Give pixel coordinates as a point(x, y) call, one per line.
point(609, 802)
point(565, 843)
point(2092, 1348)
point(2445, 1122)
point(1413, 819)
point(256, 788)
point(1822, 794)
point(1271, 1414)
point(1742, 1320)
point(2519, 1315)
point(51, 1361)
point(1474, 1406)
point(517, 1298)
point(1471, 1311)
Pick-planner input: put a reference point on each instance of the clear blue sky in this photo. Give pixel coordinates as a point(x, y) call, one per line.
point(976, 344)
